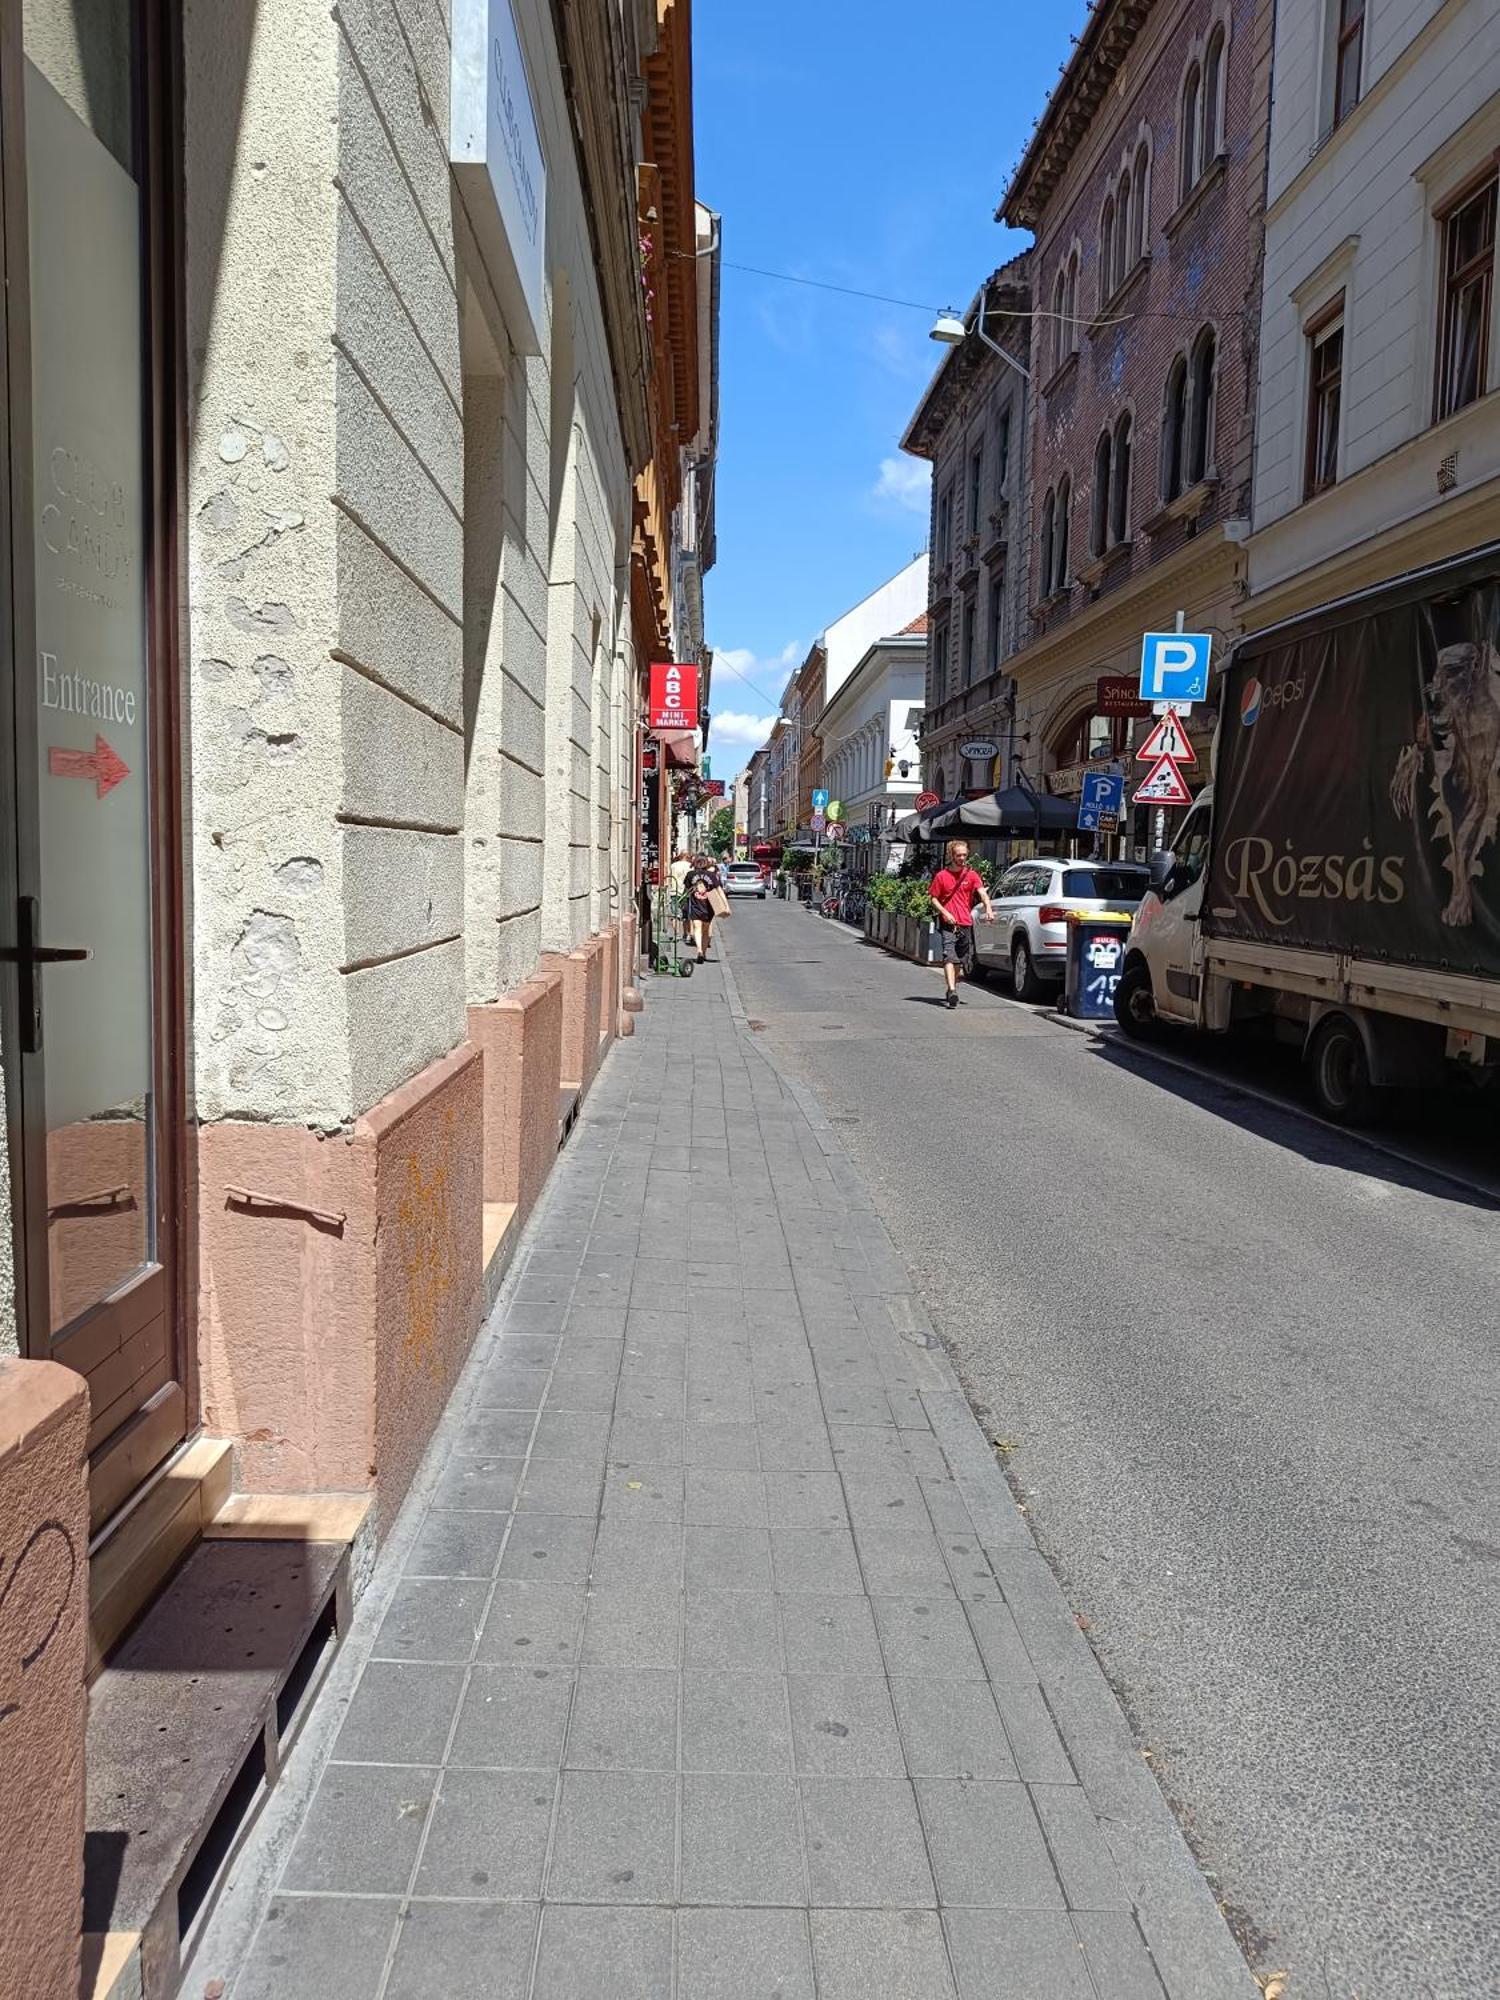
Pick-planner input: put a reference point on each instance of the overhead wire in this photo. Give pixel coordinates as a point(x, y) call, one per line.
point(918, 305)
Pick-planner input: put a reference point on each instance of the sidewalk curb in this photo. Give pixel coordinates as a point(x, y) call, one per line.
point(1195, 1951)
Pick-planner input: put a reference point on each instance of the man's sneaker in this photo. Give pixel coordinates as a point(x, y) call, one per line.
point(951, 999)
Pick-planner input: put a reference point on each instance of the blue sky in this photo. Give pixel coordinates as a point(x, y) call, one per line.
point(865, 143)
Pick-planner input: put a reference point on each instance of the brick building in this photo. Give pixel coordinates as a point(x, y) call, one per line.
point(1143, 183)
point(971, 425)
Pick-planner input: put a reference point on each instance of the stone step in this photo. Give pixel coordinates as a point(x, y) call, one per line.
point(133, 1556)
point(188, 1724)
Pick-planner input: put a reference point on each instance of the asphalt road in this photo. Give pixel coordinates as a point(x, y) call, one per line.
point(1245, 1372)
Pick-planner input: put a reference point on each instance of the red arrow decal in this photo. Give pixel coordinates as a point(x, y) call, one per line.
point(101, 765)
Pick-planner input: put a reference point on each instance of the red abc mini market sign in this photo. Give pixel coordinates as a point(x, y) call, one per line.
point(674, 696)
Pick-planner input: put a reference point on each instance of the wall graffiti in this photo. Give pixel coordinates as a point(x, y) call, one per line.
point(33, 1598)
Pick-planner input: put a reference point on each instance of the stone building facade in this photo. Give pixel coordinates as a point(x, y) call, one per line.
point(367, 380)
point(1377, 445)
point(1143, 184)
point(971, 426)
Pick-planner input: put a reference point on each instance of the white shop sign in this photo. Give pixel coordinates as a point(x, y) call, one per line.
point(498, 165)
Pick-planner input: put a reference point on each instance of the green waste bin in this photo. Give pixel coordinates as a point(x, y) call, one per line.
point(1096, 958)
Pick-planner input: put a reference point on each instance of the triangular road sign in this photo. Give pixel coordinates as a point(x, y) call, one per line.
point(1168, 739)
point(1163, 786)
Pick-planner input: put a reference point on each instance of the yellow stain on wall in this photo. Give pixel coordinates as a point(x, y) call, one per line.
point(427, 1254)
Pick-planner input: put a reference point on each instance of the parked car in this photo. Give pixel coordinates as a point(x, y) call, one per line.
point(1029, 936)
point(743, 878)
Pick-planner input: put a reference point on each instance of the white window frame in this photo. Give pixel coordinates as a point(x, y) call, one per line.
point(1461, 158)
point(1312, 298)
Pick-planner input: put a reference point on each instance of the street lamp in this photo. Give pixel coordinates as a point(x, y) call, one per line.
point(949, 331)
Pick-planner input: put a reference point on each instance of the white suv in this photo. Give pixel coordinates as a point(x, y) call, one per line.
point(743, 878)
point(1030, 931)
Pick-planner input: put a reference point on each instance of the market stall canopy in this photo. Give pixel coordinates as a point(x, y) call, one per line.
point(1015, 809)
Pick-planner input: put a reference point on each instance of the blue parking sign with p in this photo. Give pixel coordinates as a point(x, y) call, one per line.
point(1174, 666)
point(1103, 792)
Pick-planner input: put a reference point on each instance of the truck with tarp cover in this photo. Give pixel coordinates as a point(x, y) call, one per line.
point(1338, 883)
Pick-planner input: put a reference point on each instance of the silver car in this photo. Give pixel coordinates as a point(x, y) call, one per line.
point(743, 878)
point(1029, 936)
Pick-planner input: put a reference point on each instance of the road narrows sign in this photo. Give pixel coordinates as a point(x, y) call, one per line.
point(1168, 739)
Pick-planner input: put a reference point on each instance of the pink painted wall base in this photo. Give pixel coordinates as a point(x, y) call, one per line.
point(44, 1513)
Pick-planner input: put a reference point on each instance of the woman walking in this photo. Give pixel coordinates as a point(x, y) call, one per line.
point(701, 882)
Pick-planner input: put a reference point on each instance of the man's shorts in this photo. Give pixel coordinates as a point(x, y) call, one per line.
point(955, 945)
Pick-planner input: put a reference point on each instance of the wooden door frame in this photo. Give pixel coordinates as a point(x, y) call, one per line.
point(18, 708)
point(158, 113)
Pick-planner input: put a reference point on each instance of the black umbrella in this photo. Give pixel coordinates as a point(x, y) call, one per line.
point(1015, 809)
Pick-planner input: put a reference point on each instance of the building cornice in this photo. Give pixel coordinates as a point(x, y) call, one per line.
point(901, 649)
point(1146, 603)
point(1107, 39)
point(669, 132)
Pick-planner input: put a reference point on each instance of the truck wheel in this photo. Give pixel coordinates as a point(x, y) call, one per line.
point(1023, 974)
point(1341, 1073)
point(1135, 1003)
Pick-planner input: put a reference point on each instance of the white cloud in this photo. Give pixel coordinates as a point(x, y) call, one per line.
point(730, 731)
point(904, 483)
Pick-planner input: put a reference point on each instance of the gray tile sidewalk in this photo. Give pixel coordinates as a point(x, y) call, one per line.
point(711, 1657)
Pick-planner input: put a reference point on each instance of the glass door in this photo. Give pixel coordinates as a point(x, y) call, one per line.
point(93, 944)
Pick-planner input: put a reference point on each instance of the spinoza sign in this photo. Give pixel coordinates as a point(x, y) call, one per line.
point(498, 165)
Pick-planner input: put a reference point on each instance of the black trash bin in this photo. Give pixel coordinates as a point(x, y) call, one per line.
point(1096, 958)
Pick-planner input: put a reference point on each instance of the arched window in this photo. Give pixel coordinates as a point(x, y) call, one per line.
point(1192, 92)
point(1141, 214)
point(1213, 86)
point(1060, 546)
point(1173, 429)
point(1071, 307)
point(1119, 509)
point(1049, 537)
point(1107, 249)
point(1099, 507)
point(1123, 259)
point(1060, 317)
point(1201, 444)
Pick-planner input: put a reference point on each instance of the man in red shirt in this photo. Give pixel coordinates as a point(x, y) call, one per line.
point(953, 890)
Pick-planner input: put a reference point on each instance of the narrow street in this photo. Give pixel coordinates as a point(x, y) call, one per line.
point(1243, 1373)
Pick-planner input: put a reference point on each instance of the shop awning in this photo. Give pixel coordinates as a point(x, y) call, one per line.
point(1015, 809)
point(681, 749)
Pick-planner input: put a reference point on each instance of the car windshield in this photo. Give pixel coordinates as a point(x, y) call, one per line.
point(1112, 885)
point(747, 869)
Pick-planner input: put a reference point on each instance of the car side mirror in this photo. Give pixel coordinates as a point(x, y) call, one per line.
point(1160, 870)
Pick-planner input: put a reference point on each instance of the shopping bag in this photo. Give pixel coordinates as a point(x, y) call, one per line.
point(718, 902)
